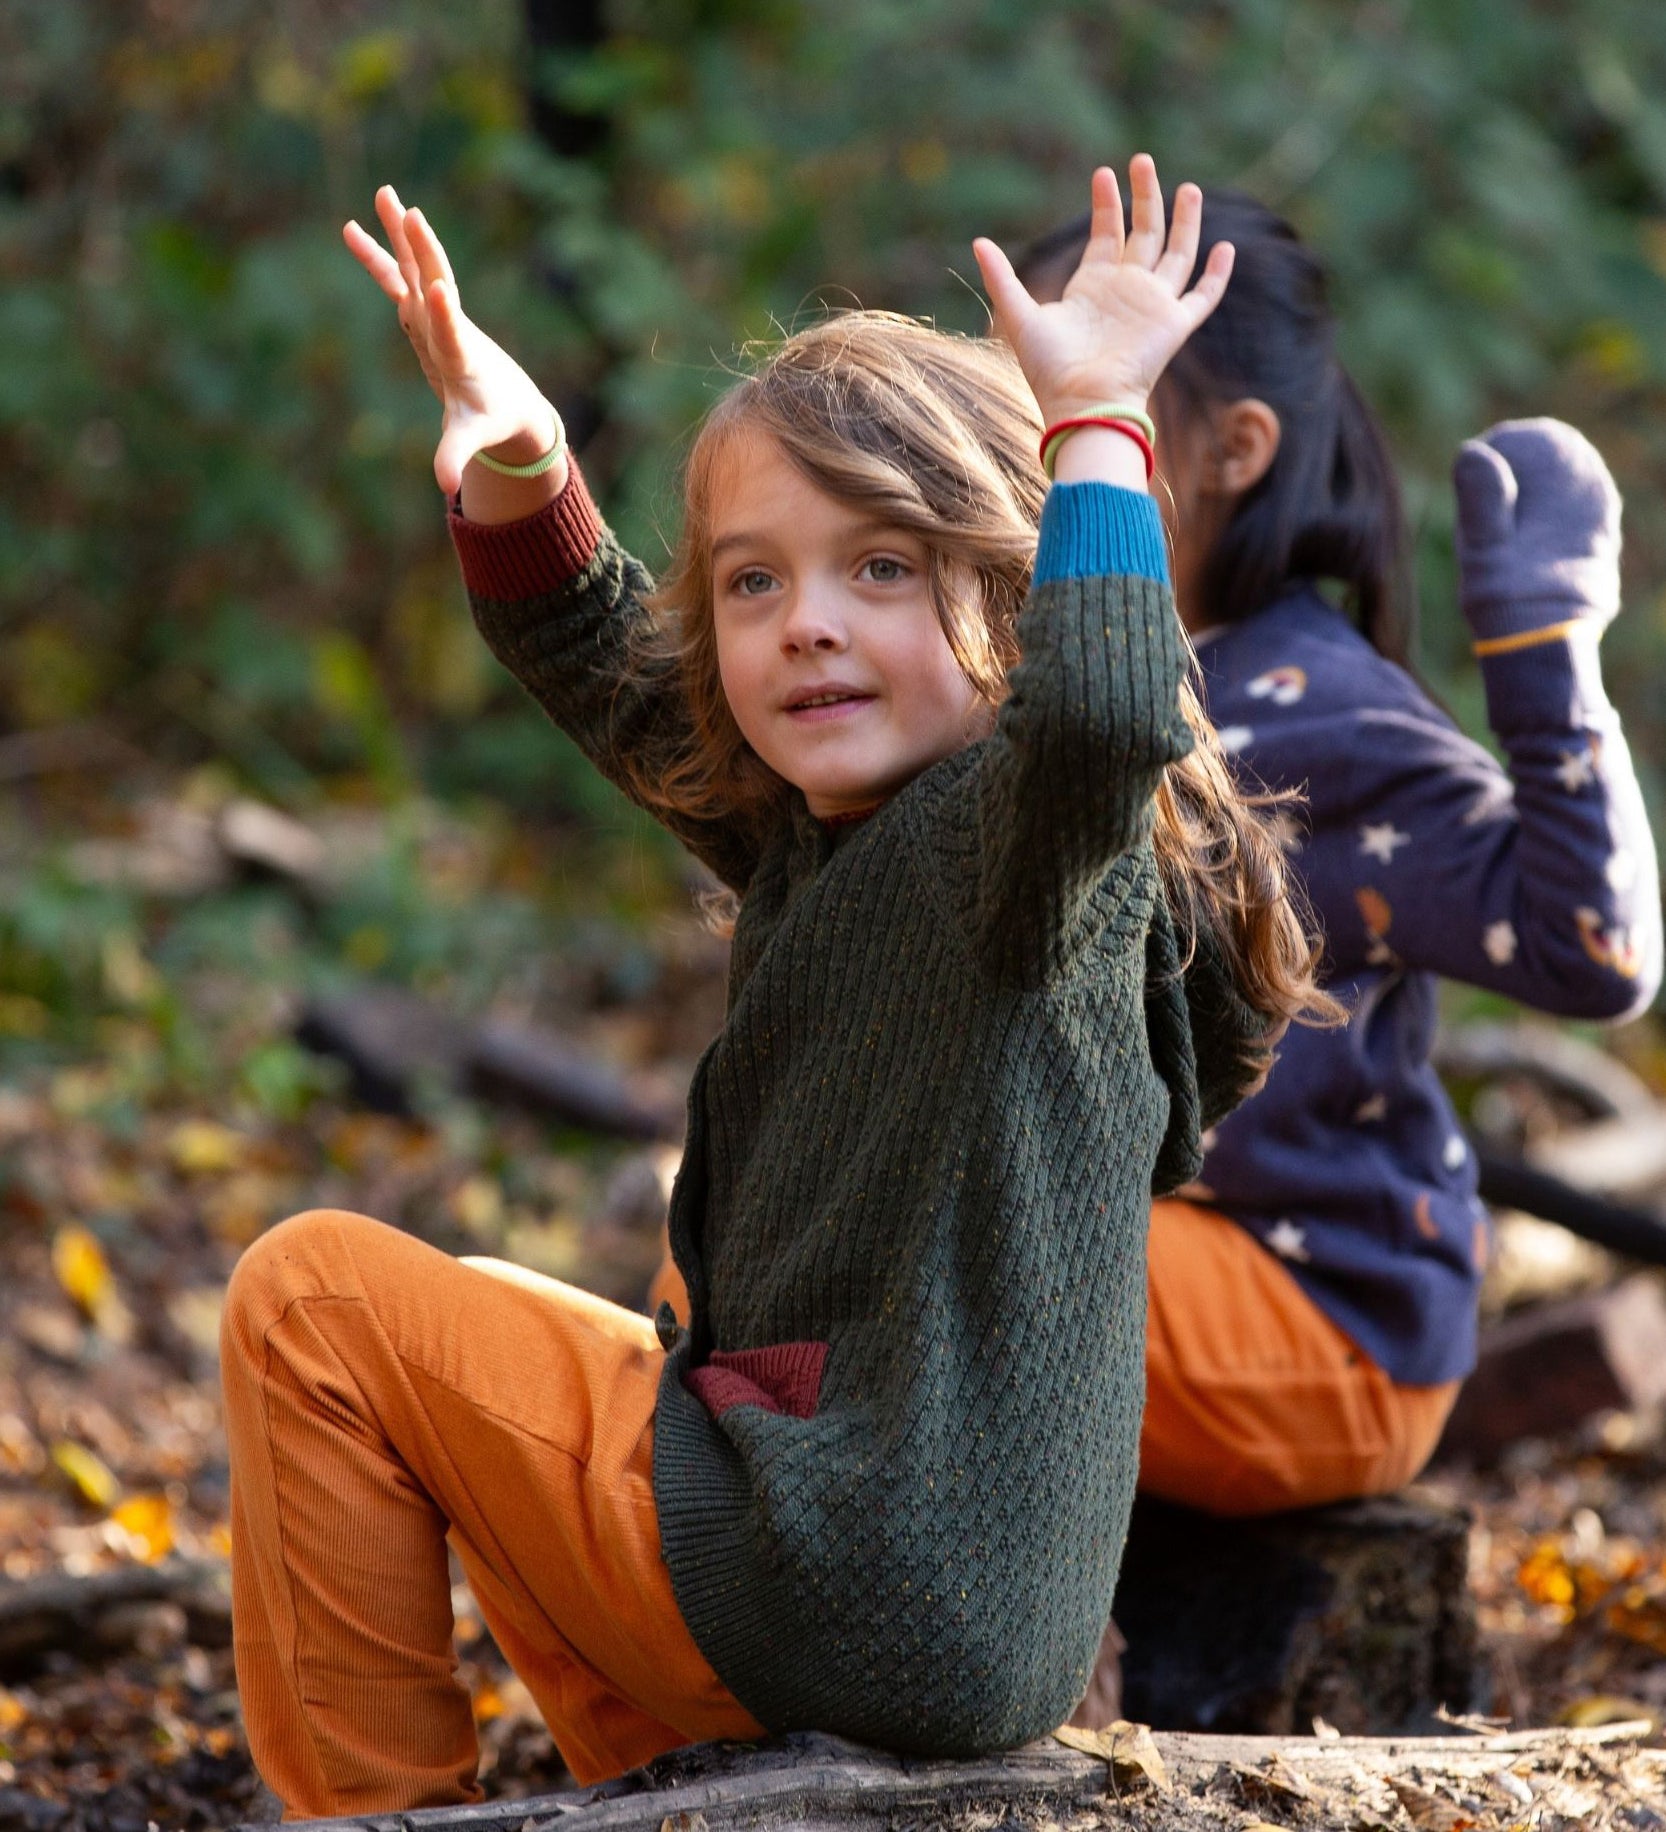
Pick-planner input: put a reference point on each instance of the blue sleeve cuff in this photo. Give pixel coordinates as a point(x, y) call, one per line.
point(1092, 530)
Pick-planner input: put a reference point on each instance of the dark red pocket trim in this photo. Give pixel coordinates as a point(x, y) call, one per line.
point(784, 1377)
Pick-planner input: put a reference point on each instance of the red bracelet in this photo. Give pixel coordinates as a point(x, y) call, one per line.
point(1061, 429)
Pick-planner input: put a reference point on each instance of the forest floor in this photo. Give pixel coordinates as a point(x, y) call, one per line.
point(129, 1185)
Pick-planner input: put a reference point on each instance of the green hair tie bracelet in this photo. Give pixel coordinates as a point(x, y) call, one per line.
point(538, 466)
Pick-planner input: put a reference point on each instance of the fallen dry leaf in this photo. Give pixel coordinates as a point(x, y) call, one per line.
point(84, 1273)
point(1608, 1708)
point(1428, 1812)
point(204, 1147)
point(148, 1523)
point(1129, 1748)
point(88, 1475)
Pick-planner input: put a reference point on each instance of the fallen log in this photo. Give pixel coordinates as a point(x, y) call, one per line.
point(104, 1611)
point(1580, 1072)
point(395, 1044)
point(1550, 1367)
point(1197, 1783)
point(1635, 1233)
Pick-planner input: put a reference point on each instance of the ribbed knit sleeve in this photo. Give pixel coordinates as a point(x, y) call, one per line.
point(558, 602)
point(1063, 788)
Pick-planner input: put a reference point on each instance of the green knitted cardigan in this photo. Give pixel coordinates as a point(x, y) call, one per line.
point(895, 1450)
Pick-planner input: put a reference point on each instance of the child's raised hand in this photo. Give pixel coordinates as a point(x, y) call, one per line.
point(1538, 530)
point(1127, 308)
point(491, 403)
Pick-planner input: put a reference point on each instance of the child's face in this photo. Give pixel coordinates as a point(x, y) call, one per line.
point(833, 661)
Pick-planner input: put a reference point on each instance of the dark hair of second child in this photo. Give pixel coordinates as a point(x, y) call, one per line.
point(1328, 506)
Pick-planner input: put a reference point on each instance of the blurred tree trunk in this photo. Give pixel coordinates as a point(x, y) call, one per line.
point(563, 25)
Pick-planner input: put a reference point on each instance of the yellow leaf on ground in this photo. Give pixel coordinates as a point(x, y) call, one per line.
point(1607, 1708)
point(148, 1522)
point(82, 1269)
point(1129, 1748)
point(12, 1712)
point(87, 1474)
point(85, 1275)
point(477, 1202)
point(202, 1147)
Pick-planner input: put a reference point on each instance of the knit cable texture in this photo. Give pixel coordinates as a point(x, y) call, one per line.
point(962, 1048)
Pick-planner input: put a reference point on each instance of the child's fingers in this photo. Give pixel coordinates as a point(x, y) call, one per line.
point(392, 214)
point(1185, 231)
point(1145, 236)
point(430, 257)
point(1008, 296)
point(1105, 230)
point(376, 261)
point(445, 327)
point(1211, 285)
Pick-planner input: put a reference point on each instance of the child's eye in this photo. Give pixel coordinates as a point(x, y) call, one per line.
point(883, 570)
point(751, 583)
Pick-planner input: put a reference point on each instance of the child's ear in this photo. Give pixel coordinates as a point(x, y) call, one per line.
point(1245, 443)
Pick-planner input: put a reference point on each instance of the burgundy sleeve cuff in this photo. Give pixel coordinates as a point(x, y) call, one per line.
point(510, 561)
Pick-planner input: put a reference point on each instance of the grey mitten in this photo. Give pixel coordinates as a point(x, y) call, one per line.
point(1538, 529)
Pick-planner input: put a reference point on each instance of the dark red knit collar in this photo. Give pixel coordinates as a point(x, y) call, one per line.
point(852, 817)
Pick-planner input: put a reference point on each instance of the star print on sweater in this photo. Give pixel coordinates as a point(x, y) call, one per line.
point(1485, 865)
point(1576, 771)
point(1382, 841)
point(1288, 1241)
point(1498, 939)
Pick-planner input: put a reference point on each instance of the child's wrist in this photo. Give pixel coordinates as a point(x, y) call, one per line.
point(542, 434)
point(1073, 405)
point(1100, 454)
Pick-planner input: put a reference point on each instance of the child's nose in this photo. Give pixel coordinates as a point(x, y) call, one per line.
point(812, 623)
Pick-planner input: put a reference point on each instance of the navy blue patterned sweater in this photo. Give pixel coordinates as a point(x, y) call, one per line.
point(1421, 857)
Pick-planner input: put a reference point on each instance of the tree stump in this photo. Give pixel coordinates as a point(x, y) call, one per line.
point(1358, 1614)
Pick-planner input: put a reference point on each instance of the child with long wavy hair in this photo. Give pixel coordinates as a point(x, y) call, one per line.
point(1006, 942)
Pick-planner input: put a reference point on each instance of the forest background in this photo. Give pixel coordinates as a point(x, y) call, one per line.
point(225, 582)
point(220, 547)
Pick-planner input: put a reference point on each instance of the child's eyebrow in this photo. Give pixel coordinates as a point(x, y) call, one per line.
point(861, 530)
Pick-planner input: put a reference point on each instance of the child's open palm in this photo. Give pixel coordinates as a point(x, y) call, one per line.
point(1127, 308)
point(490, 402)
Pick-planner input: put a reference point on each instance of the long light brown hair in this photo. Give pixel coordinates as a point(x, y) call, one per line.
point(936, 435)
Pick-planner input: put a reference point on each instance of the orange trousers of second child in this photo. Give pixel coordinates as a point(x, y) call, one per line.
point(382, 1400)
point(1254, 1400)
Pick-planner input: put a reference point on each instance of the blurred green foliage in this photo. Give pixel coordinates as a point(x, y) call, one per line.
point(219, 534)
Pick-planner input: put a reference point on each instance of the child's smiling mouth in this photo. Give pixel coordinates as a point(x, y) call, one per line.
point(811, 705)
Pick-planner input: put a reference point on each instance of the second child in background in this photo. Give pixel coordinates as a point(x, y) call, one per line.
point(1313, 1294)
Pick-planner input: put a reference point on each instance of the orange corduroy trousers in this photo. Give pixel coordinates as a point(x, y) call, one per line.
point(383, 1399)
